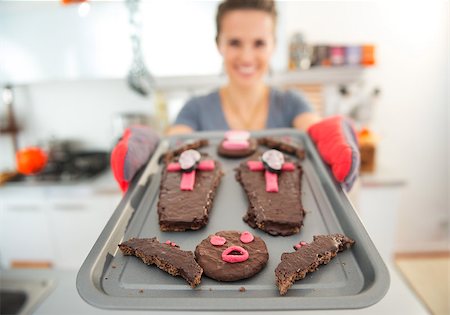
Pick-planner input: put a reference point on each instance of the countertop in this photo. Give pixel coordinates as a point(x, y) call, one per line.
point(103, 183)
point(64, 298)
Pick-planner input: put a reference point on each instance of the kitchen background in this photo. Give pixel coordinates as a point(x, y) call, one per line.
point(63, 72)
point(67, 65)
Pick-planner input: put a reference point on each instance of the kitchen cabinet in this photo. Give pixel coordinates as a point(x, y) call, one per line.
point(76, 226)
point(51, 224)
point(24, 231)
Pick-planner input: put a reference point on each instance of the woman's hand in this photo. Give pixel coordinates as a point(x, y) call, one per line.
point(336, 141)
point(133, 150)
point(178, 129)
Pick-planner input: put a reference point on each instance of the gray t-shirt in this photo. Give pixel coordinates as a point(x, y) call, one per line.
point(203, 113)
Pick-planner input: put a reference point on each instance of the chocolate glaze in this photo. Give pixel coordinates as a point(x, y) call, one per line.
point(209, 257)
point(237, 153)
point(168, 258)
point(294, 266)
point(278, 213)
point(170, 155)
point(274, 143)
point(187, 210)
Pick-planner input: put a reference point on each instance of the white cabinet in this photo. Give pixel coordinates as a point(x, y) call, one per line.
point(24, 232)
point(56, 225)
point(76, 225)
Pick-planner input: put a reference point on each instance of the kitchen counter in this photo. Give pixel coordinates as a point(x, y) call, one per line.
point(64, 298)
point(50, 214)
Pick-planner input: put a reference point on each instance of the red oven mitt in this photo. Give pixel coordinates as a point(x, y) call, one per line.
point(131, 152)
point(336, 141)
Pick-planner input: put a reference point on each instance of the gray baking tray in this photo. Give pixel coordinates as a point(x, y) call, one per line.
point(355, 278)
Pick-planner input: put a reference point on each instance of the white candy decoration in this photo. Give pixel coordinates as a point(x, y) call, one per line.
point(188, 159)
point(274, 159)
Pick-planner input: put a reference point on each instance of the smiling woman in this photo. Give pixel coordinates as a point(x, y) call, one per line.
point(246, 41)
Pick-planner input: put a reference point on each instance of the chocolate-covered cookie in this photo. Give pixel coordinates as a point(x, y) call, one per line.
point(231, 255)
point(237, 144)
point(188, 187)
point(273, 188)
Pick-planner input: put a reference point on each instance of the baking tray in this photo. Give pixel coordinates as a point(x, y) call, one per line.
point(355, 278)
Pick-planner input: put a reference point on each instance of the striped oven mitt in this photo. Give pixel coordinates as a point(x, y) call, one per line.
point(336, 141)
point(133, 150)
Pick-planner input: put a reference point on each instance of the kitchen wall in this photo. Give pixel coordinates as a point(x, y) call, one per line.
point(411, 117)
point(412, 70)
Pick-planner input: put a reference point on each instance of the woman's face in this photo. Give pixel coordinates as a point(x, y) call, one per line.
point(246, 43)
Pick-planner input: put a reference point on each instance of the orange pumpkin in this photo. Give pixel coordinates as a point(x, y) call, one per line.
point(31, 160)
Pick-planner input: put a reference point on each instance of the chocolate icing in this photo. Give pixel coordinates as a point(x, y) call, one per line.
point(274, 143)
point(237, 153)
point(209, 257)
point(187, 210)
point(167, 257)
point(278, 213)
point(294, 266)
point(170, 155)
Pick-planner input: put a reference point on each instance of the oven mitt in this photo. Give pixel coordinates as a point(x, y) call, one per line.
point(336, 141)
point(132, 151)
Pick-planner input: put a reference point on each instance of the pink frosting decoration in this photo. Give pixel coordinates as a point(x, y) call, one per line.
point(300, 245)
point(230, 258)
point(187, 181)
point(174, 167)
point(206, 165)
point(168, 242)
point(246, 237)
point(288, 166)
point(271, 182)
point(217, 240)
point(237, 135)
point(255, 165)
point(236, 144)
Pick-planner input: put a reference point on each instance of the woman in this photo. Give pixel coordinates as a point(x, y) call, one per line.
point(246, 40)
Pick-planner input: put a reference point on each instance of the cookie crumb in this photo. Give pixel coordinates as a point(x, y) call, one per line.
point(210, 289)
point(141, 291)
point(242, 289)
point(113, 267)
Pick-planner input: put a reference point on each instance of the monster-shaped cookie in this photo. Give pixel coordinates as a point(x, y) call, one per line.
point(231, 255)
point(237, 144)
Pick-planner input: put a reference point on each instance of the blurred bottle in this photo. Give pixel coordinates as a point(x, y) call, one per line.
point(161, 111)
point(368, 55)
point(322, 55)
point(337, 55)
point(353, 55)
point(300, 53)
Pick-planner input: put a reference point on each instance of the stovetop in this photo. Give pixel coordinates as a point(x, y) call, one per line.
point(69, 167)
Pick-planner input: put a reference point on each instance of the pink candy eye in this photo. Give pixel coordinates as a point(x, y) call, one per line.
point(217, 240)
point(246, 237)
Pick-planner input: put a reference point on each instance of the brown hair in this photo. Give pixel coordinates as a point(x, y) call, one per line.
point(226, 6)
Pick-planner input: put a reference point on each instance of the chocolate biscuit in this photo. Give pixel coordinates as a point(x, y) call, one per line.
point(180, 210)
point(166, 256)
point(307, 258)
point(277, 213)
point(225, 257)
point(253, 144)
point(282, 145)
